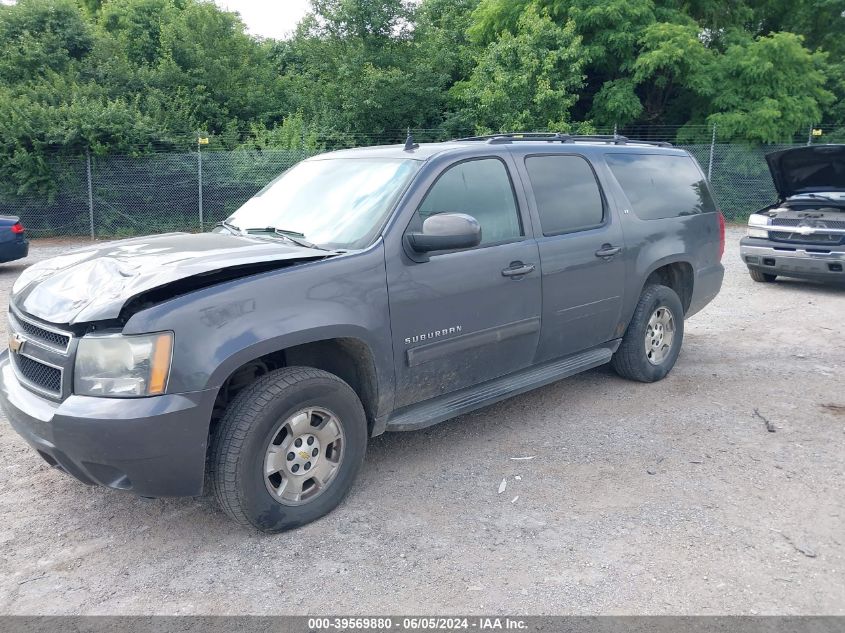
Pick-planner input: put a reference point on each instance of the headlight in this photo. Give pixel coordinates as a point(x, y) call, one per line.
point(755, 220)
point(118, 366)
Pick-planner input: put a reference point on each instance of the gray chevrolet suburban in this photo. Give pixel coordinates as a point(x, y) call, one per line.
point(362, 291)
point(801, 235)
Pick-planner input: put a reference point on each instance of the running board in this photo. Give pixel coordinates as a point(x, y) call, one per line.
point(420, 416)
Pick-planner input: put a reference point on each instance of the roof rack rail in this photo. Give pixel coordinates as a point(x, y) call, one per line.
point(553, 137)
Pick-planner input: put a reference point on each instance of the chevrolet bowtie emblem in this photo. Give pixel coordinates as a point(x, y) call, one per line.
point(304, 455)
point(16, 342)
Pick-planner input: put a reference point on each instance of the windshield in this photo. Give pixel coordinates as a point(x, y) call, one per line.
point(338, 203)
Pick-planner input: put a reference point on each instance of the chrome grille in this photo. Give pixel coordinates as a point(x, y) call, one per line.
point(38, 333)
point(822, 238)
point(38, 374)
point(816, 238)
point(832, 224)
point(41, 354)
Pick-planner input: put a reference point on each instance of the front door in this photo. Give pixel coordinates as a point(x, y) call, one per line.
point(464, 317)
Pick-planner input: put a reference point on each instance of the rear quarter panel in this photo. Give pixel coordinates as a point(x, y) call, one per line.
point(650, 244)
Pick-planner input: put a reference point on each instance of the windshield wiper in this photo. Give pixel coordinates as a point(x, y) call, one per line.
point(228, 225)
point(295, 237)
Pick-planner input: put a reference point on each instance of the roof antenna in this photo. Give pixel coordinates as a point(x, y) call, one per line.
point(410, 146)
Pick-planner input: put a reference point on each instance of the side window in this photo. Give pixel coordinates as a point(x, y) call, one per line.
point(567, 194)
point(482, 189)
point(661, 185)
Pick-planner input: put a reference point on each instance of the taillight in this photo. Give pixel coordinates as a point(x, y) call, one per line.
point(17, 228)
point(721, 235)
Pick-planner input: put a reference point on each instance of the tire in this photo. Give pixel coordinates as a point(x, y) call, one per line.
point(760, 276)
point(256, 433)
point(631, 359)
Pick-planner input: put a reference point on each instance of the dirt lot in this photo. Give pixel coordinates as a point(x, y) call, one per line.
point(641, 499)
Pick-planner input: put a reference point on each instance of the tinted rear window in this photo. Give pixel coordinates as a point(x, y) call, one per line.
point(566, 191)
point(660, 185)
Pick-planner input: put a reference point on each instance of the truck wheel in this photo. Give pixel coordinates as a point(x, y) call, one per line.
point(653, 340)
point(288, 449)
point(759, 275)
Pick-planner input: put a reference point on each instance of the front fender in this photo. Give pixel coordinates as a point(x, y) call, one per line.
point(219, 328)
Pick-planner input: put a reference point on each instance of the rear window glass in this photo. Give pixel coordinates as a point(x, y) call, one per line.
point(661, 186)
point(566, 191)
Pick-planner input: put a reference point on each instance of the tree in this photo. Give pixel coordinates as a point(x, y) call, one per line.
point(527, 80)
point(767, 89)
point(351, 69)
point(123, 76)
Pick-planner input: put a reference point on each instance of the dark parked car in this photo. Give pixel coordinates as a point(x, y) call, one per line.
point(802, 234)
point(363, 291)
point(13, 242)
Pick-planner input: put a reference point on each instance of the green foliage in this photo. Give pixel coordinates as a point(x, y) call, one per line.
point(767, 89)
point(294, 133)
point(140, 76)
point(528, 80)
point(124, 76)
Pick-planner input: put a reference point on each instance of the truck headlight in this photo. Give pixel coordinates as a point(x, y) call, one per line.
point(758, 220)
point(117, 366)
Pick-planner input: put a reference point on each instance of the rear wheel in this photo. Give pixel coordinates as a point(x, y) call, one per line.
point(288, 449)
point(654, 336)
point(760, 276)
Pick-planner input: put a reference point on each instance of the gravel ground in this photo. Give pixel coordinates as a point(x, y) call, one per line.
point(641, 499)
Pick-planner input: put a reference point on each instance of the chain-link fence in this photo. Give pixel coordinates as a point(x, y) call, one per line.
point(117, 196)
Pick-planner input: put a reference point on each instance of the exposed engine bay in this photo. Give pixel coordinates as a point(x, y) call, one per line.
point(803, 221)
point(805, 212)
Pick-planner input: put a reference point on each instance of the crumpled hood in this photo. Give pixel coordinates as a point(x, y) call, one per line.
point(808, 169)
point(94, 283)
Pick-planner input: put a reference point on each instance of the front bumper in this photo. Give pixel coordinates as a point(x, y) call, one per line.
point(154, 447)
point(793, 260)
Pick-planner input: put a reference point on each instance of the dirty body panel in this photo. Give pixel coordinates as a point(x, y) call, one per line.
point(522, 308)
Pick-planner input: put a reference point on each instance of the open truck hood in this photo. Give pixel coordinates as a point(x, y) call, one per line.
point(808, 169)
point(94, 283)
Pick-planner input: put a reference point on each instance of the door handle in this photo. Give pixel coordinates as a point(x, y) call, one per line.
point(607, 251)
point(517, 269)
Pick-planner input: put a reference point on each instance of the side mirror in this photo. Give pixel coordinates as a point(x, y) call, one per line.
point(445, 232)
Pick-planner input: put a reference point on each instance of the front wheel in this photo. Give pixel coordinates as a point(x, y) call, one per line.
point(653, 340)
point(288, 449)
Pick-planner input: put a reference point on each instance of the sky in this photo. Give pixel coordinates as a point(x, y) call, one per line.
point(268, 18)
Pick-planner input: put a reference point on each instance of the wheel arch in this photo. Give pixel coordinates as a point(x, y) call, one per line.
point(676, 273)
point(348, 357)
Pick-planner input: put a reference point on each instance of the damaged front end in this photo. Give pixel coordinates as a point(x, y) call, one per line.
point(102, 282)
point(58, 304)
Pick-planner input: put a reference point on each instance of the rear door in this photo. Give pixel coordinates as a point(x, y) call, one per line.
point(462, 317)
point(581, 252)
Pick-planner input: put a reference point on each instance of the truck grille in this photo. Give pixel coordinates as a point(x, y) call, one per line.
point(833, 224)
point(38, 333)
point(41, 355)
point(826, 239)
point(38, 374)
point(817, 238)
